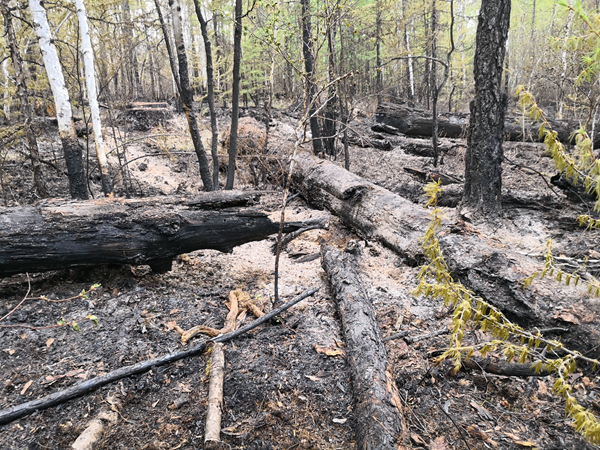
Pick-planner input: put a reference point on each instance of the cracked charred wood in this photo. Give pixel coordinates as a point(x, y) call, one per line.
point(424, 147)
point(59, 234)
point(416, 122)
point(487, 264)
point(377, 410)
point(373, 140)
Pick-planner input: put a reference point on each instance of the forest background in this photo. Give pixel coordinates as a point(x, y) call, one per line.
point(375, 51)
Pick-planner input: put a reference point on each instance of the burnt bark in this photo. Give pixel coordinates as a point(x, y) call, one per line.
point(378, 419)
point(235, 95)
point(483, 161)
point(153, 231)
point(491, 268)
point(418, 123)
point(187, 96)
point(26, 107)
point(309, 67)
point(72, 150)
point(210, 94)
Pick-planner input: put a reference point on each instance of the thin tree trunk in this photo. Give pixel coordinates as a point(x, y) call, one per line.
point(309, 67)
point(235, 94)
point(172, 58)
point(38, 179)
point(483, 161)
point(433, 82)
point(6, 104)
point(64, 114)
point(563, 74)
point(90, 79)
point(330, 120)
point(188, 98)
point(409, 67)
point(378, 79)
point(210, 87)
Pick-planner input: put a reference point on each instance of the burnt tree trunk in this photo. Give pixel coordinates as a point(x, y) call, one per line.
point(486, 265)
point(187, 96)
point(378, 418)
point(483, 161)
point(235, 95)
point(58, 235)
point(210, 94)
point(309, 67)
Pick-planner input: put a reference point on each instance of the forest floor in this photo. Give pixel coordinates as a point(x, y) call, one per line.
point(280, 390)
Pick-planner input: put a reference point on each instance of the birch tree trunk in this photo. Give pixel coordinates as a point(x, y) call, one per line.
point(188, 97)
point(64, 114)
point(17, 60)
point(90, 79)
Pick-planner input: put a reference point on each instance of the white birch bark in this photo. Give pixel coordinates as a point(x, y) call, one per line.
point(64, 113)
point(90, 79)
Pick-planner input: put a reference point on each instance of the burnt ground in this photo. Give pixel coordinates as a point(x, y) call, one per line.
point(279, 392)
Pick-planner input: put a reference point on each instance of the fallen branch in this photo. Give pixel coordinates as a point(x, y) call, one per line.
point(14, 412)
point(212, 431)
point(404, 335)
point(316, 224)
point(509, 370)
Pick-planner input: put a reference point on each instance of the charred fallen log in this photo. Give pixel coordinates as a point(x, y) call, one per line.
point(376, 401)
point(484, 263)
point(416, 122)
point(374, 140)
point(58, 234)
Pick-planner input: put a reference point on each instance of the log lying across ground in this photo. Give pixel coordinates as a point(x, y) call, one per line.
point(58, 234)
point(417, 122)
point(377, 406)
point(483, 263)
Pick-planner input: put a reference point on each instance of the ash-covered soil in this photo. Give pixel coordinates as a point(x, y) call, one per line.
point(279, 391)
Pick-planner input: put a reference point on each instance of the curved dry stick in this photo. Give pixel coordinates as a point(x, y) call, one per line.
point(14, 412)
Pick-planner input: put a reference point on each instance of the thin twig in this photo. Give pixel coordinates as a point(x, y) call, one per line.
point(21, 302)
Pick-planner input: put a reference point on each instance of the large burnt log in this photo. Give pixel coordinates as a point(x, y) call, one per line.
point(59, 234)
point(417, 122)
point(483, 262)
point(377, 413)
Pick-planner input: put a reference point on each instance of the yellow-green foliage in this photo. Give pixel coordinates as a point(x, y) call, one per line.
point(582, 166)
point(511, 340)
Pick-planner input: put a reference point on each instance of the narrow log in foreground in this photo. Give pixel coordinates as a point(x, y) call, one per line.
point(212, 431)
point(485, 263)
point(57, 235)
point(14, 412)
point(378, 421)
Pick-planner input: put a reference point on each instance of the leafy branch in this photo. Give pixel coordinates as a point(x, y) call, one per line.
point(514, 342)
point(583, 165)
